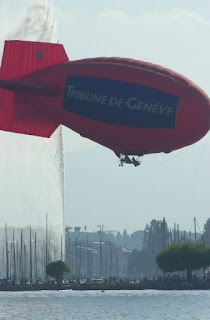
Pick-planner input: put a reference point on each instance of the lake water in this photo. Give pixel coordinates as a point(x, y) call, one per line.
point(108, 305)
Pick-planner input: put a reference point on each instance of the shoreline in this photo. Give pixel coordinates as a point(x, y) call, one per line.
point(105, 287)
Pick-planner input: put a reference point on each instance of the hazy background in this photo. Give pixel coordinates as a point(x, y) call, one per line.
point(174, 34)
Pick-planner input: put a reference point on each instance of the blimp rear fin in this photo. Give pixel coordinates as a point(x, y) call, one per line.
point(19, 59)
point(23, 57)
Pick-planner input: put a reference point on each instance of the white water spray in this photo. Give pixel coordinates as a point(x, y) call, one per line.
point(31, 168)
point(39, 24)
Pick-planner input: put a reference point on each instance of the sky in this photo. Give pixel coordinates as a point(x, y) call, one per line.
point(174, 34)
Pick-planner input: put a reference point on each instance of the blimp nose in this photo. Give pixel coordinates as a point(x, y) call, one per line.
point(209, 114)
point(208, 106)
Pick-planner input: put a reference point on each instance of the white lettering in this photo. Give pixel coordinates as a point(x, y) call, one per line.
point(140, 106)
point(73, 94)
point(163, 109)
point(156, 108)
point(120, 102)
point(170, 111)
point(130, 103)
point(69, 90)
point(82, 95)
point(104, 99)
point(113, 101)
point(148, 107)
point(96, 98)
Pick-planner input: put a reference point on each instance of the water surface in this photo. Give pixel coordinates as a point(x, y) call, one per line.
point(108, 305)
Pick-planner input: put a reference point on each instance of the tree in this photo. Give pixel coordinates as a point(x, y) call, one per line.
point(137, 263)
point(136, 240)
point(206, 232)
point(125, 236)
point(184, 256)
point(156, 238)
point(56, 270)
point(134, 263)
point(118, 238)
point(156, 235)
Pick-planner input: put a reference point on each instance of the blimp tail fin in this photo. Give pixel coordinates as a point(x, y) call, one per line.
point(23, 57)
point(16, 115)
point(19, 59)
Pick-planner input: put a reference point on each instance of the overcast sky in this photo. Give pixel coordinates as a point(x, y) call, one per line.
point(174, 34)
point(176, 186)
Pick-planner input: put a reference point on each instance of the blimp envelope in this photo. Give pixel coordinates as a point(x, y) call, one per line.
point(134, 107)
point(129, 106)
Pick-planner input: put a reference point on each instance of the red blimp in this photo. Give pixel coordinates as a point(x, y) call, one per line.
point(130, 106)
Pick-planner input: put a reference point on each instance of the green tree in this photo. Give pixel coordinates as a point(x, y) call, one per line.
point(56, 270)
point(184, 256)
